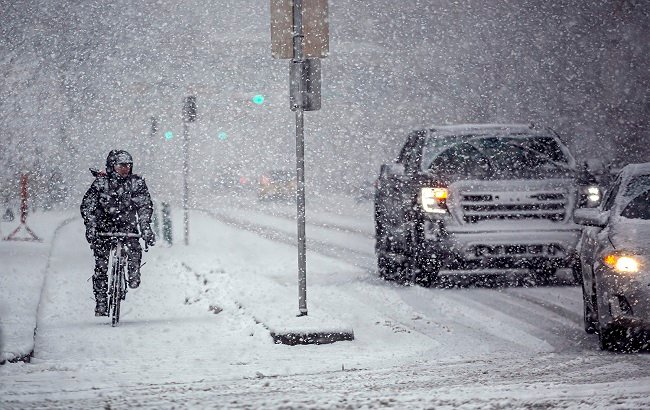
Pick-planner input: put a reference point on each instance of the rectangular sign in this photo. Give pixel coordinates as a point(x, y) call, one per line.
point(315, 26)
point(309, 83)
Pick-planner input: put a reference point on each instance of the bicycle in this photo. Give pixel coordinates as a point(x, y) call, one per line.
point(117, 280)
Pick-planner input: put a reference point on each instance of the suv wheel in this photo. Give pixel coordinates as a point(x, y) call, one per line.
point(387, 267)
point(423, 267)
point(612, 337)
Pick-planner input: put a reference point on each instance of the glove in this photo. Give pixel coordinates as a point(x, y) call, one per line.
point(148, 236)
point(91, 235)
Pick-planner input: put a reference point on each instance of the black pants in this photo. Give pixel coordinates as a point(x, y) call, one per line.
point(102, 250)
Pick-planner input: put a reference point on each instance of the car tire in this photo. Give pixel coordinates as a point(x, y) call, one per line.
point(611, 337)
point(576, 269)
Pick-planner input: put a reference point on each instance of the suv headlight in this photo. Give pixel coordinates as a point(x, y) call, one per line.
point(622, 263)
point(434, 200)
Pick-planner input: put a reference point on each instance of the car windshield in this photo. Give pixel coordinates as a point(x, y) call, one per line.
point(637, 184)
point(507, 155)
point(639, 207)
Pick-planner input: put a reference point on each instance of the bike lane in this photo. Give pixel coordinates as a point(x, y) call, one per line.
point(166, 333)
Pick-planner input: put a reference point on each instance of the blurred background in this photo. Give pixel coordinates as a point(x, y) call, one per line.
point(79, 78)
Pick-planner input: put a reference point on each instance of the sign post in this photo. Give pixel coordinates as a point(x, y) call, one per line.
point(13, 236)
point(300, 32)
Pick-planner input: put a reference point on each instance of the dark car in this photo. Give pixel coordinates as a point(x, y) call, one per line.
point(279, 184)
point(231, 178)
point(478, 200)
point(614, 253)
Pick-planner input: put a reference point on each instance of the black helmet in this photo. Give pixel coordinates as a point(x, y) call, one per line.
point(118, 156)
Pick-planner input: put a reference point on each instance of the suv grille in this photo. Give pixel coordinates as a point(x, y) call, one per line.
point(514, 205)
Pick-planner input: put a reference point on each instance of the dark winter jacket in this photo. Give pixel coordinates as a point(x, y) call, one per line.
point(117, 204)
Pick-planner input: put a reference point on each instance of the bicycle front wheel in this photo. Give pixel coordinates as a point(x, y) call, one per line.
point(115, 311)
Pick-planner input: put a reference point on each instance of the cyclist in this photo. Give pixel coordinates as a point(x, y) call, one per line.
point(117, 201)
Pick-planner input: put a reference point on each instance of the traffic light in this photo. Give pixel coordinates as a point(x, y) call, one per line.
point(189, 109)
point(154, 126)
point(222, 136)
point(169, 135)
point(258, 99)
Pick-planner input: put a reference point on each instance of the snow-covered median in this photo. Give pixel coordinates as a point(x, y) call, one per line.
point(22, 273)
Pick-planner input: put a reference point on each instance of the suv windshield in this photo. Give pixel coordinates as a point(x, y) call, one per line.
point(500, 155)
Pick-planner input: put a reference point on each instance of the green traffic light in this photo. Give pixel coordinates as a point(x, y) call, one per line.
point(258, 99)
point(169, 135)
point(222, 136)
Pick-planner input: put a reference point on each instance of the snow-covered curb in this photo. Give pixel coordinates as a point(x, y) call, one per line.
point(284, 325)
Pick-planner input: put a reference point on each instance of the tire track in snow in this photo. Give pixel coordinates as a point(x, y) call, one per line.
point(545, 304)
point(356, 258)
point(285, 214)
point(545, 381)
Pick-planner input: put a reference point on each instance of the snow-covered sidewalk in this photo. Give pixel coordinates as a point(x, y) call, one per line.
point(223, 294)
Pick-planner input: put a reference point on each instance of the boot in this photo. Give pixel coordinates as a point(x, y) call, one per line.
point(134, 278)
point(101, 307)
point(100, 287)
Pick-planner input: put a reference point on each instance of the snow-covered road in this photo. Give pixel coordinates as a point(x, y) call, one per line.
point(194, 335)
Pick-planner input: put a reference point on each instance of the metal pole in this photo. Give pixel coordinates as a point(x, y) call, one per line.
point(186, 170)
point(23, 198)
point(300, 158)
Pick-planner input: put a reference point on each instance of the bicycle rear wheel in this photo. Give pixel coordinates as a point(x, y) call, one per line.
point(117, 279)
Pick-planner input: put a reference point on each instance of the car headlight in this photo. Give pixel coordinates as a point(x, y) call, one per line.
point(622, 263)
point(434, 200)
point(592, 194)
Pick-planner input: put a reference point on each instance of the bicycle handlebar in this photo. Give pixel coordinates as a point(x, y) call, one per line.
point(119, 235)
point(123, 235)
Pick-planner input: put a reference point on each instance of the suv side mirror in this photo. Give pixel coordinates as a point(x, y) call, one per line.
point(591, 217)
point(392, 169)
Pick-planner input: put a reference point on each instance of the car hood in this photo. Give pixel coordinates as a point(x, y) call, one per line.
point(631, 235)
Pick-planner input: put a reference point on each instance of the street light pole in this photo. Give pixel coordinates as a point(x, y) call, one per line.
point(189, 115)
point(293, 21)
point(186, 194)
point(300, 158)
